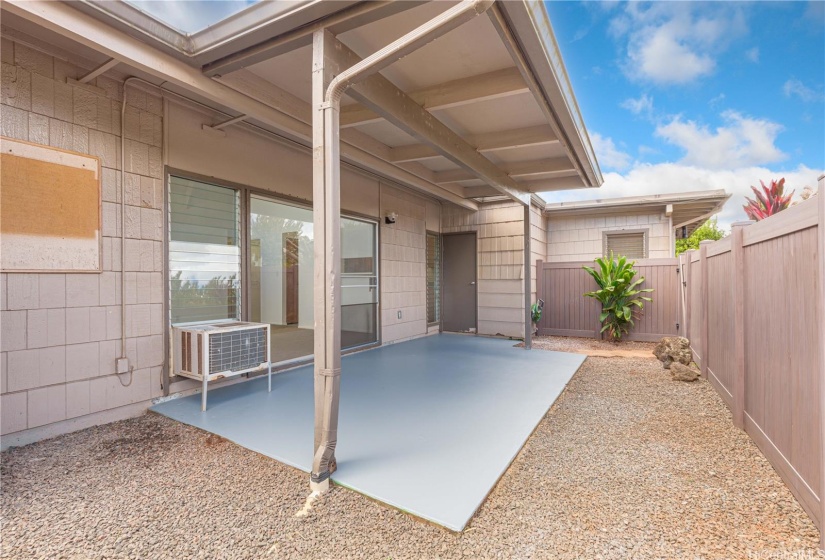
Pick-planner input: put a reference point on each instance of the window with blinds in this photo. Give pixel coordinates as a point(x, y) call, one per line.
point(628, 244)
point(204, 251)
point(433, 278)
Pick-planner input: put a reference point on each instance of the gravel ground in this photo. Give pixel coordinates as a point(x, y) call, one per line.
point(585, 345)
point(627, 464)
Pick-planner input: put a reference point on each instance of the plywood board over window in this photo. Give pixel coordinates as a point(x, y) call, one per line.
point(50, 209)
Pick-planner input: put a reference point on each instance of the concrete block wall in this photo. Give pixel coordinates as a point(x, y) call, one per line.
point(403, 265)
point(61, 332)
point(499, 227)
point(579, 238)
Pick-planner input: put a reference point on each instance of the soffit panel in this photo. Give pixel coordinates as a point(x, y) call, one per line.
point(493, 115)
point(527, 153)
point(474, 48)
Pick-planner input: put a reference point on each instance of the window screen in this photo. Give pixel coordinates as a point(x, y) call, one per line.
point(204, 251)
point(630, 245)
point(433, 278)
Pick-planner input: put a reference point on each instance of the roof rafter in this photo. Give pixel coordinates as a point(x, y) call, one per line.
point(559, 167)
point(491, 85)
point(381, 96)
point(489, 142)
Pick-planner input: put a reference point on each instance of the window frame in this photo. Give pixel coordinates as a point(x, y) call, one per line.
point(245, 193)
point(167, 239)
point(440, 276)
point(645, 241)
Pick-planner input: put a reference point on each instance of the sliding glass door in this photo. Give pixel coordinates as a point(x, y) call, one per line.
point(359, 283)
point(281, 277)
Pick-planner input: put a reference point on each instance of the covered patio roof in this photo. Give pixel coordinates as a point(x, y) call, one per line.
point(485, 109)
point(458, 100)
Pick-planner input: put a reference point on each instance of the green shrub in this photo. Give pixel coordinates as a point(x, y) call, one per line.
point(618, 293)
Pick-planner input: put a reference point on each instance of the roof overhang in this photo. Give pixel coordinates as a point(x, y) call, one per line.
point(687, 209)
point(503, 92)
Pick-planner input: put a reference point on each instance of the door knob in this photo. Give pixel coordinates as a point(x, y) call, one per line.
point(472, 283)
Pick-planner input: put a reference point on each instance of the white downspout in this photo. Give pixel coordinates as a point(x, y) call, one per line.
point(327, 365)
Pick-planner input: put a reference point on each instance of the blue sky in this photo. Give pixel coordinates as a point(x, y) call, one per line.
point(682, 96)
point(190, 16)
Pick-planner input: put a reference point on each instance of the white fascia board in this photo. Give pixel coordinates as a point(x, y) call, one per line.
point(530, 24)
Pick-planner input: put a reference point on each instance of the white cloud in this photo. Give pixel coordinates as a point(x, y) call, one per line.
point(643, 105)
point(796, 87)
point(752, 54)
point(663, 178)
point(664, 58)
point(608, 154)
point(742, 142)
point(668, 43)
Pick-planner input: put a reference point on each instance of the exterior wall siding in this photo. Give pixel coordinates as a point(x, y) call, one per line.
point(500, 231)
point(61, 332)
point(538, 245)
point(403, 266)
point(579, 238)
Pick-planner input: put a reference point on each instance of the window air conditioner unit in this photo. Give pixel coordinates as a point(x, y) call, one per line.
point(209, 351)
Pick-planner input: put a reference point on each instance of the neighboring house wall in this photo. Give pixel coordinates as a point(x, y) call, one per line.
point(500, 231)
point(61, 332)
point(580, 238)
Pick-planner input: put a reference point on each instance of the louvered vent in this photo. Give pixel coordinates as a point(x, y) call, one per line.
point(630, 245)
point(237, 350)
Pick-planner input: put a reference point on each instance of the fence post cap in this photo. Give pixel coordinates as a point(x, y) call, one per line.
point(706, 242)
point(742, 223)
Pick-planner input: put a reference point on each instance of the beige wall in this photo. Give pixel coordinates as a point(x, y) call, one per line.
point(538, 245)
point(61, 332)
point(403, 265)
point(500, 234)
point(254, 160)
point(579, 238)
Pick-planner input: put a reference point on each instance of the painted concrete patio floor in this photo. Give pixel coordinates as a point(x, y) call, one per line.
point(427, 426)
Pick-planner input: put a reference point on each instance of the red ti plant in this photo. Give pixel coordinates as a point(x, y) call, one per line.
point(772, 201)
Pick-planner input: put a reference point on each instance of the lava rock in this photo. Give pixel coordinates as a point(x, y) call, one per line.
point(673, 349)
point(681, 372)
